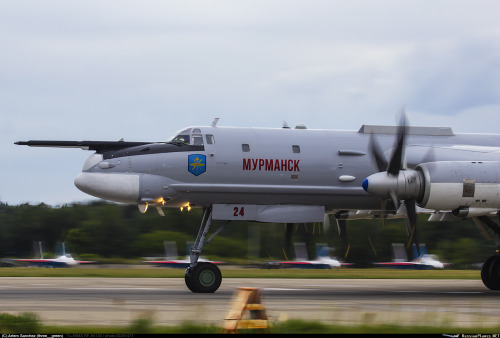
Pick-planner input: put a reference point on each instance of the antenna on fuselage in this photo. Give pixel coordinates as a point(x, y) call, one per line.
point(285, 125)
point(214, 122)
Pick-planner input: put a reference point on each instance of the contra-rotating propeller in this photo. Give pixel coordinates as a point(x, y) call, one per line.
point(394, 181)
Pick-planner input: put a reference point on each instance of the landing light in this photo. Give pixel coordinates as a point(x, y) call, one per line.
point(143, 207)
point(188, 207)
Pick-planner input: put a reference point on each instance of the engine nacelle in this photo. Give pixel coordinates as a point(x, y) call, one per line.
point(463, 212)
point(460, 184)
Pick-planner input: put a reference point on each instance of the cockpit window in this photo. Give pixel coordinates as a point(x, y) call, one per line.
point(182, 137)
point(197, 140)
point(188, 136)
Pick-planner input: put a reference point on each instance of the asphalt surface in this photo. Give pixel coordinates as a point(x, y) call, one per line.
point(118, 301)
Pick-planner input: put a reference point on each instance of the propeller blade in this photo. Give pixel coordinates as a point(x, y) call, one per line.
point(378, 154)
point(412, 218)
point(409, 228)
point(394, 199)
point(430, 156)
point(395, 164)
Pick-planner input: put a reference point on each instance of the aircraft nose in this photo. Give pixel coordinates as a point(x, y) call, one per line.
point(114, 187)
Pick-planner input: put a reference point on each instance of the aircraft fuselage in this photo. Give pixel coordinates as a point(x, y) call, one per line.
point(267, 166)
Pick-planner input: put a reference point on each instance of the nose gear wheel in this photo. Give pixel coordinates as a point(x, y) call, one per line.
point(203, 278)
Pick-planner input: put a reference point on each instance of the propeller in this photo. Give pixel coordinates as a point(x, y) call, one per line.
point(394, 181)
point(383, 166)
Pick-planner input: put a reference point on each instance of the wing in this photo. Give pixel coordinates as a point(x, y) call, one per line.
point(98, 146)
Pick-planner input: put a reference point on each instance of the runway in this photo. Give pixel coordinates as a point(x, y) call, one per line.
point(118, 301)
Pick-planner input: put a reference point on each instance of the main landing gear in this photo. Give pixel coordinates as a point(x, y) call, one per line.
point(490, 272)
point(202, 277)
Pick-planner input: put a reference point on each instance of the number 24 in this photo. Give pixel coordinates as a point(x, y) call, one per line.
point(239, 211)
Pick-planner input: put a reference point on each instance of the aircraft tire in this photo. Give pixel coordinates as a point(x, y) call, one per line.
point(188, 279)
point(490, 273)
point(495, 273)
point(204, 278)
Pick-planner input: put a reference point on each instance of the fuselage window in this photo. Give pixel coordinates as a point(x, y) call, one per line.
point(197, 139)
point(296, 149)
point(210, 139)
point(245, 147)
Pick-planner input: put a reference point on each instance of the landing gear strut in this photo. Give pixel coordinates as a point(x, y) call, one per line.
point(202, 277)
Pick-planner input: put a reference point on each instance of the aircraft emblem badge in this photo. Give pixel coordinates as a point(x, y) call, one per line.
point(197, 164)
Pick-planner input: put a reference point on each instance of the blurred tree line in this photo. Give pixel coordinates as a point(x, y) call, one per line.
point(103, 230)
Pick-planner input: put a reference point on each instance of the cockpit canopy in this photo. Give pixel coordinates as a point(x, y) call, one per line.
point(190, 136)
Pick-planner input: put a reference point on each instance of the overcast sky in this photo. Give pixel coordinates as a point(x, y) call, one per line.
point(141, 70)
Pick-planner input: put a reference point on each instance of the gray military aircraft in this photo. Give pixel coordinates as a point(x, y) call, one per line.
point(299, 175)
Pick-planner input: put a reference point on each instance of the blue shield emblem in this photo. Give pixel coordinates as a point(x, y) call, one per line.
point(197, 164)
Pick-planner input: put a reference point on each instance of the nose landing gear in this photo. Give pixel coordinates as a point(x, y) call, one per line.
point(203, 277)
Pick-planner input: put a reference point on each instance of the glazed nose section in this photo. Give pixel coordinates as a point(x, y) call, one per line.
point(114, 187)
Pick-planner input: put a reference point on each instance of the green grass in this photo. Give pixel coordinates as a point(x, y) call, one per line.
point(286, 327)
point(30, 323)
point(228, 272)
